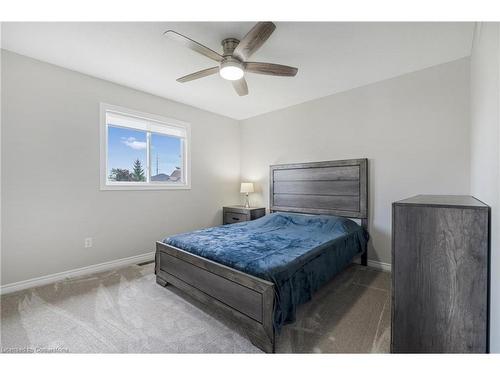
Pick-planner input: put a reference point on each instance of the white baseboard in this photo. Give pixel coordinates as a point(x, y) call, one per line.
point(375, 264)
point(379, 265)
point(106, 266)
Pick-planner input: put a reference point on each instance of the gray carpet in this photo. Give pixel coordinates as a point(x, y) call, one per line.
point(125, 311)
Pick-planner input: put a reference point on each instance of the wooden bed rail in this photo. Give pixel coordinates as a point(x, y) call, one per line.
point(244, 298)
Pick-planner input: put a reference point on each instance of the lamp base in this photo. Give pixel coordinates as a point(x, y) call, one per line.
point(247, 203)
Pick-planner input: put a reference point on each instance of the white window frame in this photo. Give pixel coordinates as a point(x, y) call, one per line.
point(105, 184)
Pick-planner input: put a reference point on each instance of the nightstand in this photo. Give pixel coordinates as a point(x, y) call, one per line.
point(237, 214)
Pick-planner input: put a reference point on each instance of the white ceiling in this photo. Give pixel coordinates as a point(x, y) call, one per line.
point(331, 57)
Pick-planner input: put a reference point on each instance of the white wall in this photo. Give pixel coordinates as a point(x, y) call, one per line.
point(50, 165)
point(414, 129)
point(485, 162)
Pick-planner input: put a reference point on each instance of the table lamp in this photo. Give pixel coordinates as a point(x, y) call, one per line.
point(246, 187)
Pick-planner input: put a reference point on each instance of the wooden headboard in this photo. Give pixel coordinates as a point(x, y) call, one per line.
point(338, 187)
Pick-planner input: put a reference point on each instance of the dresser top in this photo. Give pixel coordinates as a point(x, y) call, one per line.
point(443, 200)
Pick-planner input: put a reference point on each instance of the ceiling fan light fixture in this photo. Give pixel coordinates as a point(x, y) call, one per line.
point(231, 70)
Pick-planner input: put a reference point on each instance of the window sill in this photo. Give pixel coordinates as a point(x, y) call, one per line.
point(145, 187)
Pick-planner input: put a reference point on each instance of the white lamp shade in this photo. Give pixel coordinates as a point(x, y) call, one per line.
point(246, 187)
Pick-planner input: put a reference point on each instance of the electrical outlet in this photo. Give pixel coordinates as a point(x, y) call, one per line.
point(88, 242)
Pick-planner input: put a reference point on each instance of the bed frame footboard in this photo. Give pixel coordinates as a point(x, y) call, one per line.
point(242, 297)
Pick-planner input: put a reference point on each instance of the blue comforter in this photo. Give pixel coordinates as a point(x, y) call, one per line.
point(298, 253)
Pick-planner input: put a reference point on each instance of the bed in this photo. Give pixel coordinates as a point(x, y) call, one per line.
point(258, 272)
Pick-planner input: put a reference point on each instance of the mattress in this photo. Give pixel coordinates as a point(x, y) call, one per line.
point(298, 253)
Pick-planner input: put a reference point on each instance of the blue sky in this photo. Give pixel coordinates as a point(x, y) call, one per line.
point(127, 145)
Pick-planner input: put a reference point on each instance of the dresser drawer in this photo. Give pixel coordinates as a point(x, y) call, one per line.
point(234, 217)
point(239, 214)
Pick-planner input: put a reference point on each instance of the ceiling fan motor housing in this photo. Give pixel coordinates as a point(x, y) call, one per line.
point(228, 46)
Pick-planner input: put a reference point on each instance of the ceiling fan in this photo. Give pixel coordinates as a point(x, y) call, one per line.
point(233, 62)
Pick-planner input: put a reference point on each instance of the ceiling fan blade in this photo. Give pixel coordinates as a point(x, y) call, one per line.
point(253, 40)
point(270, 69)
point(199, 74)
point(193, 45)
point(241, 86)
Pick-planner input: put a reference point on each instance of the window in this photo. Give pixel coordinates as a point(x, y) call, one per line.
point(143, 151)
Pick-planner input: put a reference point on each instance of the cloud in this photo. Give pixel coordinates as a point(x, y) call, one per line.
point(134, 143)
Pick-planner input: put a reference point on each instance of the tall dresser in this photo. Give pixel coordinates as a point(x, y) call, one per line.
point(440, 275)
